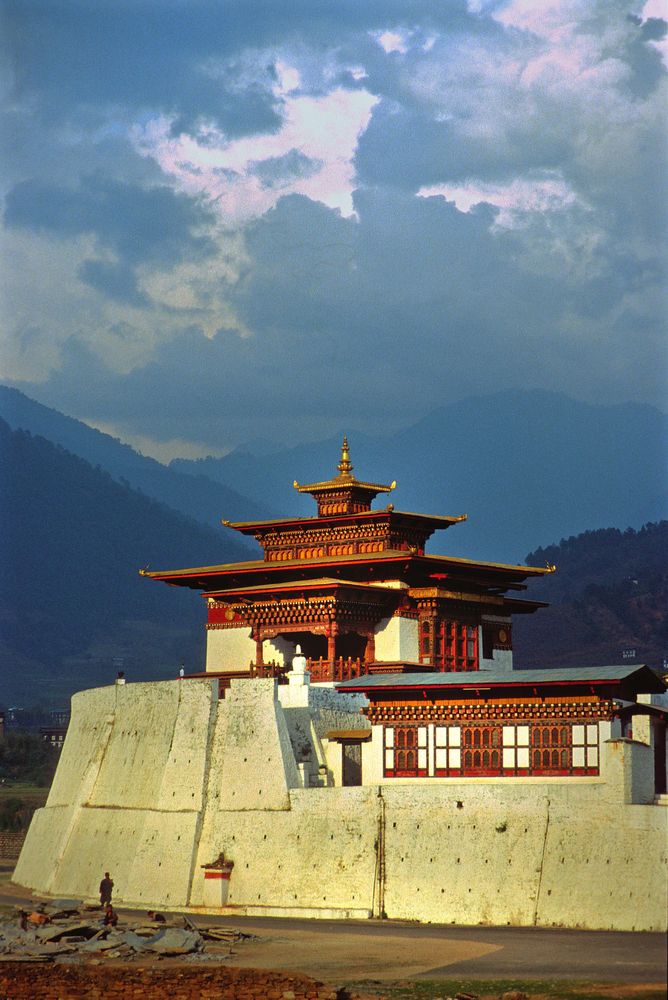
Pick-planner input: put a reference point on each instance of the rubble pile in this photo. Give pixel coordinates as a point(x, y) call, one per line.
point(68, 932)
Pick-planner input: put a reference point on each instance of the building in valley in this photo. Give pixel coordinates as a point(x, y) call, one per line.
point(359, 745)
point(355, 589)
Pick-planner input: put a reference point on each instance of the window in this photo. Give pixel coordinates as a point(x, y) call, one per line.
point(515, 748)
point(585, 747)
point(447, 750)
point(456, 646)
point(405, 751)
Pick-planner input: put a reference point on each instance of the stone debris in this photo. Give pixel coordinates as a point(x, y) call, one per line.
point(69, 932)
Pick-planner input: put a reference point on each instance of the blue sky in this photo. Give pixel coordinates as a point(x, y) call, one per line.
point(244, 219)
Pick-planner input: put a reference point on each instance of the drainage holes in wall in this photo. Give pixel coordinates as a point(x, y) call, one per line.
point(460, 805)
point(442, 890)
point(457, 860)
point(246, 864)
point(245, 759)
point(265, 837)
point(394, 826)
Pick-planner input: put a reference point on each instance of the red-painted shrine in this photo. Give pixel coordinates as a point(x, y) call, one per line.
point(355, 589)
point(427, 639)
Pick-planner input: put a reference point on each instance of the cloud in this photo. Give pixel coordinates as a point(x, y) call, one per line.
point(268, 217)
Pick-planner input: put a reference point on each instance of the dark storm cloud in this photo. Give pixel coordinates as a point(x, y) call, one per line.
point(407, 304)
point(141, 224)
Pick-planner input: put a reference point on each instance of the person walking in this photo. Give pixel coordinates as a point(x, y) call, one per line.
point(106, 888)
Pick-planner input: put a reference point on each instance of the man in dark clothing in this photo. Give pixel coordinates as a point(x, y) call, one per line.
point(106, 887)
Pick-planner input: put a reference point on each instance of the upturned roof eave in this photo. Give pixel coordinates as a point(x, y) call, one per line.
point(506, 570)
point(438, 520)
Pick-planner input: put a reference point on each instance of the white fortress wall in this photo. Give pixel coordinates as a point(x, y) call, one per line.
point(397, 639)
point(222, 776)
point(229, 649)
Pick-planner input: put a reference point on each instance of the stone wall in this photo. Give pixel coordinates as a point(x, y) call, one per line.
point(156, 780)
point(11, 842)
point(53, 982)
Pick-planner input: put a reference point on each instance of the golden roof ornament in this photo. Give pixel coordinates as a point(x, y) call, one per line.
point(345, 466)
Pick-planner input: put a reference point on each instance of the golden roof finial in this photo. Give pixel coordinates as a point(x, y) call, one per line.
point(345, 466)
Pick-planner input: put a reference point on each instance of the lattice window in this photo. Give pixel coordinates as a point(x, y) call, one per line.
point(405, 751)
point(456, 646)
point(447, 750)
point(515, 748)
point(585, 748)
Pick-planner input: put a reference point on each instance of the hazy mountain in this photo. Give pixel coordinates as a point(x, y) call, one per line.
point(526, 466)
point(609, 595)
point(201, 498)
point(72, 604)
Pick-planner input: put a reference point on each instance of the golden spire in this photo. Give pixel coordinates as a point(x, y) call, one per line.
point(345, 465)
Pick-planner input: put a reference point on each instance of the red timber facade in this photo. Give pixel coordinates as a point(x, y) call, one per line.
point(542, 723)
point(355, 589)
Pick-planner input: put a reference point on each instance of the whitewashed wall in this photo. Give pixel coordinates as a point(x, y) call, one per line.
point(156, 780)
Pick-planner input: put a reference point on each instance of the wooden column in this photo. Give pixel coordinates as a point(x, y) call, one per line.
point(370, 650)
point(259, 660)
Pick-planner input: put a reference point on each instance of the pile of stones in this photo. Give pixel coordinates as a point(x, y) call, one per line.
point(66, 931)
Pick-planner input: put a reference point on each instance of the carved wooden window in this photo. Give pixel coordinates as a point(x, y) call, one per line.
point(405, 751)
point(425, 640)
point(447, 751)
point(456, 646)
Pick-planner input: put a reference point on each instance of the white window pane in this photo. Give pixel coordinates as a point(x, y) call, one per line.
point(592, 757)
point(523, 756)
point(578, 734)
point(389, 760)
point(441, 733)
point(578, 757)
point(422, 758)
point(509, 736)
point(389, 737)
point(422, 736)
point(455, 757)
point(508, 757)
point(592, 734)
point(523, 736)
point(455, 736)
point(441, 758)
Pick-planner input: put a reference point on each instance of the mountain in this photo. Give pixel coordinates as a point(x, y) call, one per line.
point(201, 498)
point(608, 597)
point(72, 605)
point(526, 466)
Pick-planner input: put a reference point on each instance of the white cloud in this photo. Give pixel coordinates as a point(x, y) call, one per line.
point(392, 41)
point(548, 193)
point(323, 129)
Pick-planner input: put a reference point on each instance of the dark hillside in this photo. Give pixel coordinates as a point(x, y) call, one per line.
point(72, 604)
point(526, 466)
point(196, 496)
point(609, 595)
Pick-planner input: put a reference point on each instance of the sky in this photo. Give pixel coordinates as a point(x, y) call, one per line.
point(245, 219)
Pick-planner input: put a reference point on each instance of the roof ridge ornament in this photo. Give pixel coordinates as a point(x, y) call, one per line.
point(345, 466)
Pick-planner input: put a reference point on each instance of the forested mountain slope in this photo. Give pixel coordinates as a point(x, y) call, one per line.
point(71, 601)
point(196, 496)
point(609, 595)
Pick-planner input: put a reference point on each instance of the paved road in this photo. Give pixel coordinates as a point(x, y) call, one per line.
point(334, 949)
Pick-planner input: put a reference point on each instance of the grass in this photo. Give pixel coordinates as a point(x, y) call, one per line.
point(31, 794)
point(440, 989)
